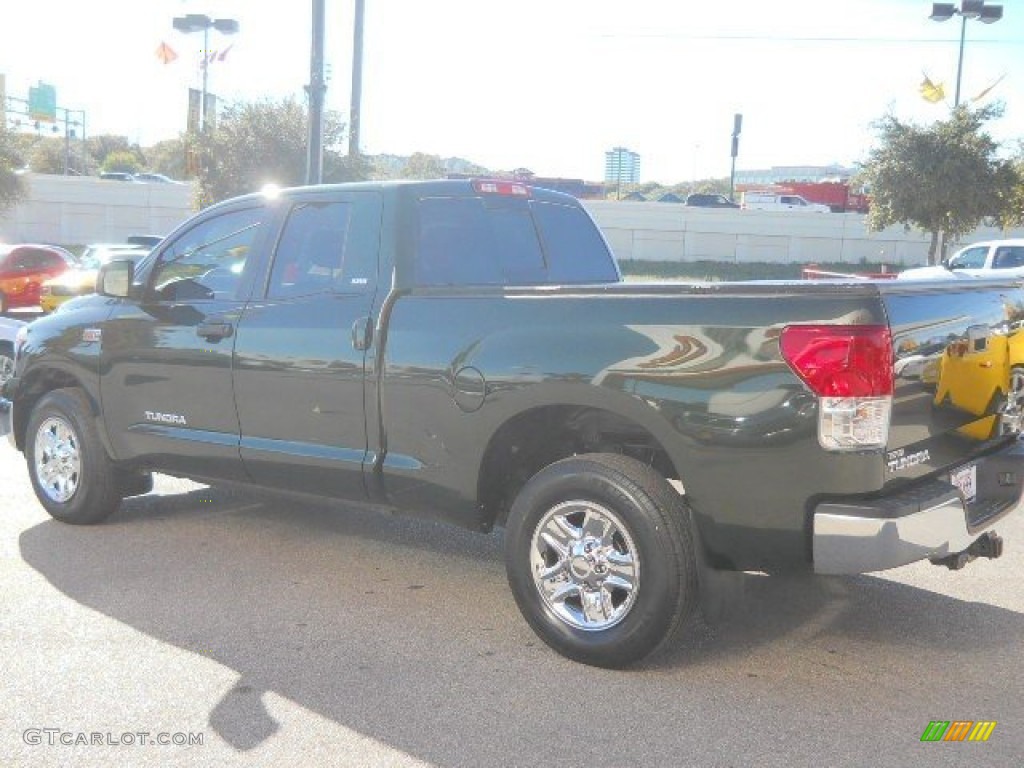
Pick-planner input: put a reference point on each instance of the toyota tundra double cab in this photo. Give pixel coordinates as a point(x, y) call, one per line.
point(467, 349)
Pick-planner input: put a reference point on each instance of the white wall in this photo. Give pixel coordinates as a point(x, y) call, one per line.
point(72, 210)
point(667, 232)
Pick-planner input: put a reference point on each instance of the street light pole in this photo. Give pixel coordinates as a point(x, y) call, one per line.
point(354, 114)
point(969, 9)
point(200, 22)
point(206, 77)
point(960, 60)
point(317, 86)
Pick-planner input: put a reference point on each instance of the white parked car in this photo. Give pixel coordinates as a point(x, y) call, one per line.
point(778, 201)
point(991, 258)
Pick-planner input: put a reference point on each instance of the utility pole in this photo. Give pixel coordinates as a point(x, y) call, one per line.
point(316, 88)
point(357, 82)
point(737, 125)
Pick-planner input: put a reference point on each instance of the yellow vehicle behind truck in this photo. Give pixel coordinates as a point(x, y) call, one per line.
point(982, 373)
point(82, 279)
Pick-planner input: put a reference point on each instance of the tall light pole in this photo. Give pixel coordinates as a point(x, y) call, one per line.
point(200, 22)
point(969, 9)
point(355, 117)
point(316, 88)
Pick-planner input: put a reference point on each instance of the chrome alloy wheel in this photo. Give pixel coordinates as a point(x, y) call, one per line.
point(58, 462)
point(585, 565)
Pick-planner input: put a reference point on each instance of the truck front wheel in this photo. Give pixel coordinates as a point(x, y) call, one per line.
point(600, 558)
point(72, 476)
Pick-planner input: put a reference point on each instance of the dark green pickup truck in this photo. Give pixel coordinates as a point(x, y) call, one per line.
point(467, 349)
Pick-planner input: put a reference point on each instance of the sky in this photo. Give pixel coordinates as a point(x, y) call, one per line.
point(549, 85)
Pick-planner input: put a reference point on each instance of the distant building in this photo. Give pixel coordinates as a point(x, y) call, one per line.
point(621, 166)
point(780, 173)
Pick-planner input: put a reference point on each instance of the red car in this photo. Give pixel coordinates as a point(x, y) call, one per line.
point(23, 268)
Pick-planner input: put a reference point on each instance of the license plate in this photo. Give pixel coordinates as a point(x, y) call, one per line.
point(966, 479)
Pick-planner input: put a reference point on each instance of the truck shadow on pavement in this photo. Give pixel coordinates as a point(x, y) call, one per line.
point(405, 631)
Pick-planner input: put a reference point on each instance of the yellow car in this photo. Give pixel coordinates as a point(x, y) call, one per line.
point(82, 279)
point(982, 374)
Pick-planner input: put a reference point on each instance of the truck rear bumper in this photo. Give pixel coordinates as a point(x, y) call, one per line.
point(928, 521)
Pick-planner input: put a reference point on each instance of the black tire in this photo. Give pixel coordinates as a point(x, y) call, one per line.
point(655, 539)
point(61, 434)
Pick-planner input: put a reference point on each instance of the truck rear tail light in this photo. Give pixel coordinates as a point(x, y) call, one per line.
point(849, 368)
point(509, 188)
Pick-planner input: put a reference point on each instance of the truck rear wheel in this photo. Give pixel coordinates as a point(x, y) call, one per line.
point(600, 558)
point(72, 476)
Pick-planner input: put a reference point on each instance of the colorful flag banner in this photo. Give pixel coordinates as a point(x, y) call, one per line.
point(985, 93)
point(165, 53)
point(210, 57)
point(932, 92)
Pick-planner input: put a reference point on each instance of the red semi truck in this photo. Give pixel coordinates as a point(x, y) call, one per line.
point(837, 195)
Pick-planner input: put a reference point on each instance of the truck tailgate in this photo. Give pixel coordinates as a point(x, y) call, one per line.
point(958, 350)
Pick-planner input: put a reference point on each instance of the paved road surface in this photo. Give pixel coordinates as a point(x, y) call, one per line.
point(291, 634)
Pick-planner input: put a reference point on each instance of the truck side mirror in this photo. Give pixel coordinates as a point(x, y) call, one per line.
point(115, 279)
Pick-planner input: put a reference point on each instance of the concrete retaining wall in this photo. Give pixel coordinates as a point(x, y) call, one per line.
point(666, 232)
point(71, 210)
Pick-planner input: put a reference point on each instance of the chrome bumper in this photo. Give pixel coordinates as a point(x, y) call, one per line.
point(928, 522)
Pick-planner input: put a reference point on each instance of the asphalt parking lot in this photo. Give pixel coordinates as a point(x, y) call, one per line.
point(296, 634)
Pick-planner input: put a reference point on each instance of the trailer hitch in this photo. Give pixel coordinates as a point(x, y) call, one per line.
point(989, 544)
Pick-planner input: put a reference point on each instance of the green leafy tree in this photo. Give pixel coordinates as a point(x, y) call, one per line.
point(423, 166)
point(123, 161)
point(46, 155)
point(166, 157)
point(943, 178)
point(1014, 209)
point(11, 187)
point(340, 168)
point(102, 145)
point(264, 142)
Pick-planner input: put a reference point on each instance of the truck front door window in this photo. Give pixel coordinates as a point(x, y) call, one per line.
point(972, 258)
point(207, 262)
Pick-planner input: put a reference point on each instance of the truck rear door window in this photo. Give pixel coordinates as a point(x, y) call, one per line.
point(311, 254)
point(1008, 257)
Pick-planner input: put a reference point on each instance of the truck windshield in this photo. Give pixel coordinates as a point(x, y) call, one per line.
point(505, 241)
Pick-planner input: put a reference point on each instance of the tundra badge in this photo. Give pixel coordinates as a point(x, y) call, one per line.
point(166, 418)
